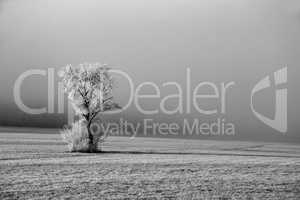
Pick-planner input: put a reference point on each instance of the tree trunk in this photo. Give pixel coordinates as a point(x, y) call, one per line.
point(91, 138)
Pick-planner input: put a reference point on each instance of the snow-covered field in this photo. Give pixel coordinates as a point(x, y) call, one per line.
point(38, 166)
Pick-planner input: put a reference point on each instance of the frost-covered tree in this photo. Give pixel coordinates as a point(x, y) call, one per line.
point(89, 88)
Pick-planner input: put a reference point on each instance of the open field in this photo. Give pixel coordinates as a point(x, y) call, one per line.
point(36, 166)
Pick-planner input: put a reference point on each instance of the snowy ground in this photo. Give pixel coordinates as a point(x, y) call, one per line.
point(38, 166)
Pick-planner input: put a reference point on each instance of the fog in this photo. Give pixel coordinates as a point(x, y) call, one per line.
point(239, 41)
